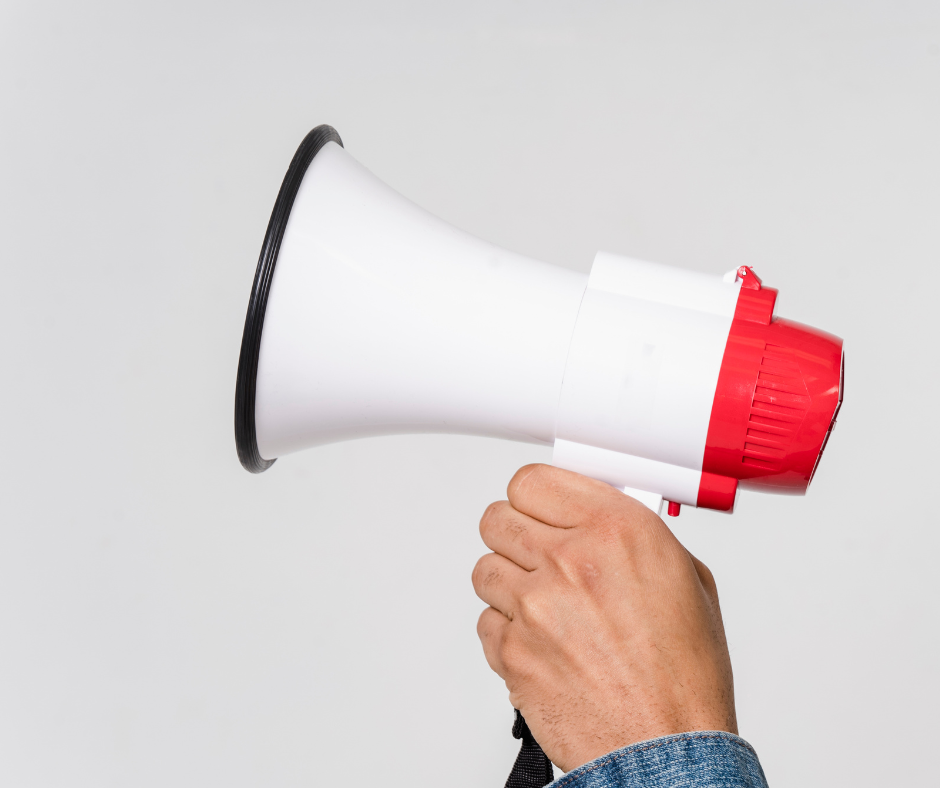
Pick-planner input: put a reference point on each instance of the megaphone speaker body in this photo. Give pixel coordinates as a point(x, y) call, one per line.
point(370, 316)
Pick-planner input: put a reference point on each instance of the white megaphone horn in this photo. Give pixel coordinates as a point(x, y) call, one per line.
point(369, 316)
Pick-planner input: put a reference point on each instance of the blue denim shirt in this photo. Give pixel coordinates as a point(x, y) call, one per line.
point(703, 759)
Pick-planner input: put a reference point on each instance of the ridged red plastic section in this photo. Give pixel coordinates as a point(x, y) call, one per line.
point(776, 399)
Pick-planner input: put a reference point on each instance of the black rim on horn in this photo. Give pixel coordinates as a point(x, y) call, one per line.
point(246, 439)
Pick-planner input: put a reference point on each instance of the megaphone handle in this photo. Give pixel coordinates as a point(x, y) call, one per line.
point(650, 500)
point(532, 768)
point(616, 469)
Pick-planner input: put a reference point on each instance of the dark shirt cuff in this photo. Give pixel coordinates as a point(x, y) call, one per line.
point(703, 759)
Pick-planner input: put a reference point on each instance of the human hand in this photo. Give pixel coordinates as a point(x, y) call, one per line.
point(606, 630)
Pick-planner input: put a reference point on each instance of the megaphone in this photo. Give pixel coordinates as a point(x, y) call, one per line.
point(370, 316)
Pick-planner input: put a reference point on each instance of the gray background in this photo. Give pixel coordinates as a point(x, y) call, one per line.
point(167, 619)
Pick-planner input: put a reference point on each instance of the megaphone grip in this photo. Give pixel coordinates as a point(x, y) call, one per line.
point(246, 438)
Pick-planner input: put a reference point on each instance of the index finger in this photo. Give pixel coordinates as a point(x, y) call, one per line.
point(565, 499)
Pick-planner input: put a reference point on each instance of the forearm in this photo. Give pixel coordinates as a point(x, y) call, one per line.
point(702, 759)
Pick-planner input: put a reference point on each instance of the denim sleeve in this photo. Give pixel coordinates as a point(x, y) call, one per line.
point(704, 759)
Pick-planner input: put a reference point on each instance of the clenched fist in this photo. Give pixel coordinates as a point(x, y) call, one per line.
point(605, 629)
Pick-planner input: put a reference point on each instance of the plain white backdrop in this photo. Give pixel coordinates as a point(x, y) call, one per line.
point(168, 619)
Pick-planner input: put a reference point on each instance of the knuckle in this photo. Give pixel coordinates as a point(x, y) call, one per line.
point(581, 562)
point(510, 652)
point(635, 528)
point(482, 629)
point(524, 479)
point(625, 520)
point(492, 517)
point(484, 572)
point(516, 530)
point(579, 568)
point(565, 556)
point(534, 608)
point(606, 508)
point(488, 514)
point(491, 632)
point(485, 625)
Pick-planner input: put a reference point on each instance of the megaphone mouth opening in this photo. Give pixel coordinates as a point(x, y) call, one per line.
point(246, 438)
